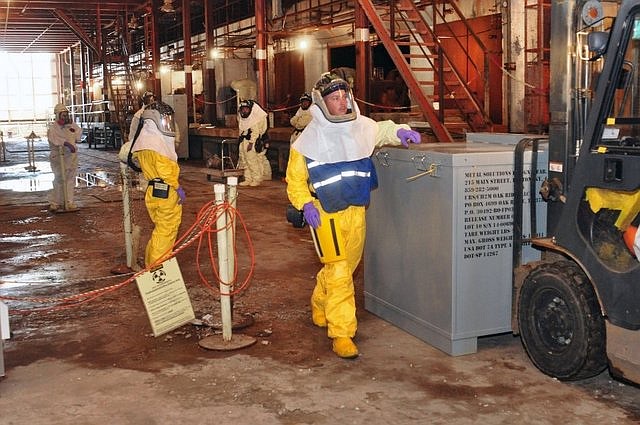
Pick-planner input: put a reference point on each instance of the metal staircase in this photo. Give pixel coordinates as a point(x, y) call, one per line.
point(438, 79)
point(118, 80)
point(106, 119)
point(150, 44)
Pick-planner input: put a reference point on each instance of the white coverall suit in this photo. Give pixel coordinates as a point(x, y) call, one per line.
point(256, 165)
point(299, 121)
point(57, 135)
point(135, 121)
point(333, 299)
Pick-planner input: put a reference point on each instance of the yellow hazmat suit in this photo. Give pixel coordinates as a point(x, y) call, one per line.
point(333, 299)
point(166, 214)
point(158, 160)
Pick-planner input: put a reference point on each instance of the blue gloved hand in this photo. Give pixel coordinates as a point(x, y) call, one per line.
point(69, 146)
point(408, 136)
point(181, 195)
point(311, 215)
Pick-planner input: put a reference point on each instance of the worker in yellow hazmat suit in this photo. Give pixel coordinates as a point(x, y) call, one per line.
point(329, 177)
point(154, 150)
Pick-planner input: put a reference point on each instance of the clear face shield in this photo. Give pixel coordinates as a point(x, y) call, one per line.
point(167, 125)
point(305, 101)
point(245, 111)
point(244, 108)
point(63, 118)
point(162, 115)
point(335, 99)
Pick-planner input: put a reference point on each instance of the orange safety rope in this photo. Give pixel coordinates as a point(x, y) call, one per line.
point(203, 226)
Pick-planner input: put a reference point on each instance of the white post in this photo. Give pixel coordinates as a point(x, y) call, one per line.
point(128, 240)
point(31, 152)
point(4, 321)
point(4, 332)
point(3, 149)
point(63, 170)
point(223, 265)
point(1, 357)
point(232, 193)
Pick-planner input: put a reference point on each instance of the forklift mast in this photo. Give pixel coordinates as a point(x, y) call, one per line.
point(594, 152)
point(578, 309)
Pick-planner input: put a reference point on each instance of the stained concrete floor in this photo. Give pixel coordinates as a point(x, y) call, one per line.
point(98, 362)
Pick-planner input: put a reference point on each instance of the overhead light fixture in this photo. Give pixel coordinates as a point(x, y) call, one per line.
point(303, 43)
point(167, 7)
point(217, 53)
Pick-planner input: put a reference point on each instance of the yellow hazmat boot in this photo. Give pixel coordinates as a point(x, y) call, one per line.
point(345, 348)
point(318, 318)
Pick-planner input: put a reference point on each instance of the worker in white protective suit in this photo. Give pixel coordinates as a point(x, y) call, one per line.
point(329, 177)
point(63, 135)
point(155, 152)
point(252, 150)
point(302, 117)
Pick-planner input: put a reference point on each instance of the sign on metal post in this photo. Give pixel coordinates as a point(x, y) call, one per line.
point(165, 297)
point(4, 332)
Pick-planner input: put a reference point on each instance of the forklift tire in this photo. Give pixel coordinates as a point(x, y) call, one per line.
point(561, 327)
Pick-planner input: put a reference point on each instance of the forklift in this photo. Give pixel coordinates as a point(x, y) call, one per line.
point(577, 307)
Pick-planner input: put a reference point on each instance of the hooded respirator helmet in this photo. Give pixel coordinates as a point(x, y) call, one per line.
point(162, 115)
point(305, 101)
point(62, 114)
point(328, 84)
point(244, 108)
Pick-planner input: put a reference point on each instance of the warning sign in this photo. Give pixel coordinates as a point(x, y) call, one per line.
point(165, 297)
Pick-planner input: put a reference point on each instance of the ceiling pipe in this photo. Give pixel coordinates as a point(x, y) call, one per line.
point(363, 57)
point(155, 52)
point(261, 51)
point(208, 71)
point(186, 37)
point(77, 30)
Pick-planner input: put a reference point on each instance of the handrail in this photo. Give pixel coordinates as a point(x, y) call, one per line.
point(470, 95)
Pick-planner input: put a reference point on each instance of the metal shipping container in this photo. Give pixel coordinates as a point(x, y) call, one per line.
point(438, 254)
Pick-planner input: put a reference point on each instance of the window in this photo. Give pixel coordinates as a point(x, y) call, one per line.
point(621, 132)
point(27, 87)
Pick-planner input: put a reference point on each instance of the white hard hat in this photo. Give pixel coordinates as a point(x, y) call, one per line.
point(60, 108)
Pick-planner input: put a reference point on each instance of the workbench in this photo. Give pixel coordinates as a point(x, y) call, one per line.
point(223, 141)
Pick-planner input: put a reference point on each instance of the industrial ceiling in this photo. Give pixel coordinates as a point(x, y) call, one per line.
point(48, 26)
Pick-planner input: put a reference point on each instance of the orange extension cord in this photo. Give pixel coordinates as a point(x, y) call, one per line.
point(201, 231)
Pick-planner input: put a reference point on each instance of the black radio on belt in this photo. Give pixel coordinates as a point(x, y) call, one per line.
point(295, 217)
point(159, 188)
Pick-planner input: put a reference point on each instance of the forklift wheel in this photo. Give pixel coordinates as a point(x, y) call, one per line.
point(561, 326)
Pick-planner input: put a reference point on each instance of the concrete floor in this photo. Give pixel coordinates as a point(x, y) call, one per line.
point(98, 362)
